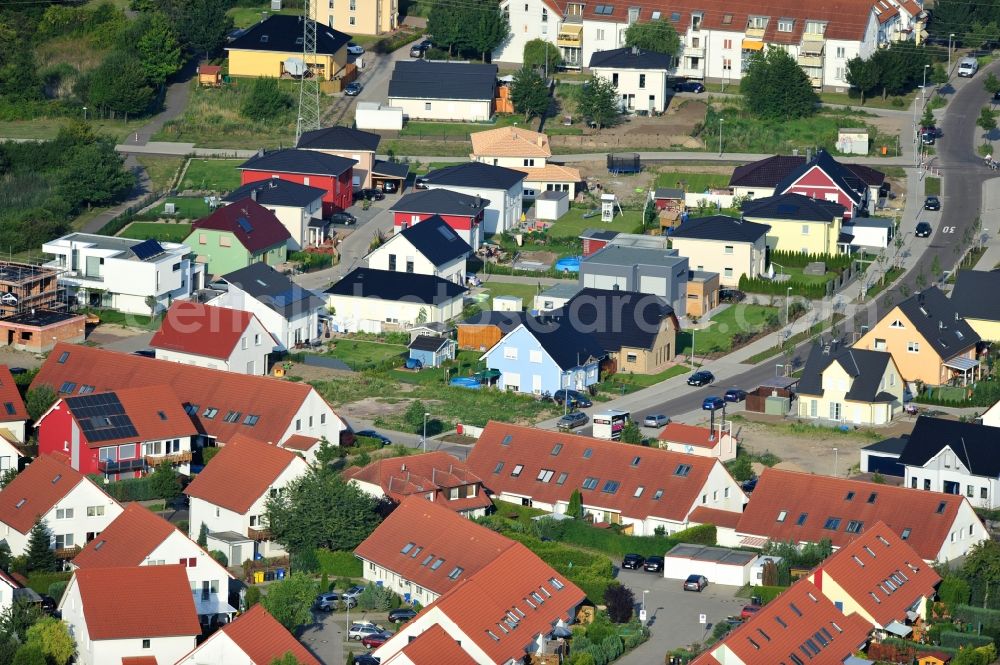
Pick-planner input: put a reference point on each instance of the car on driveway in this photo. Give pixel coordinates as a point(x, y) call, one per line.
point(749, 485)
point(354, 49)
point(418, 50)
point(932, 203)
point(928, 137)
point(370, 194)
point(353, 592)
point(713, 403)
point(633, 561)
point(695, 583)
point(576, 398)
point(735, 395)
point(366, 659)
point(372, 434)
point(360, 631)
point(654, 564)
point(923, 230)
point(689, 86)
point(655, 420)
point(352, 89)
point(402, 614)
point(327, 602)
point(573, 420)
point(345, 218)
point(749, 611)
point(731, 295)
point(376, 640)
point(701, 378)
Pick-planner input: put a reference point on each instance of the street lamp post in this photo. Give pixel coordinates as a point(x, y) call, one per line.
point(923, 90)
point(644, 592)
point(835, 462)
point(84, 113)
point(425, 431)
point(788, 294)
point(720, 136)
point(950, 37)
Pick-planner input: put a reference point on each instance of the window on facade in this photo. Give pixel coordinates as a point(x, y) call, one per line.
point(95, 511)
point(727, 43)
point(642, 80)
point(785, 24)
point(510, 352)
point(913, 347)
point(64, 513)
point(840, 52)
point(614, 79)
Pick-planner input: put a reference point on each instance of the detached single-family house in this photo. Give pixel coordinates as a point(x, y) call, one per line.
point(285, 309)
point(433, 90)
point(123, 433)
point(485, 328)
point(254, 638)
point(430, 247)
point(928, 339)
point(435, 476)
point(464, 213)
point(73, 508)
point(972, 302)
point(139, 537)
point(800, 224)
point(347, 142)
point(13, 419)
point(639, 76)
point(332, 174)
point(540, 357)
point(725, 245)
point(237, 235)
point(702, 441)
point(136, 614)
point(273, 48)
point(216, 337)
point(641, 489)
point(657, 272)
point(849, 385)
point(503, 188)
point(527, 151)
point(295, 206)
point(826, 179)
point(638, 331)
point(371, 300)
point(230, 496)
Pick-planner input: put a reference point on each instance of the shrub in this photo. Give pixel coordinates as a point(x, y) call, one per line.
point(305, 561)
point(56, 590)
point(208, 453)
point(378, 598)
point(954, 590)
point(265, 100)
point(129, 489)
point(221, 557)
point(956, 640)
point(621, 602)
point(252, 596)
point(339, 564)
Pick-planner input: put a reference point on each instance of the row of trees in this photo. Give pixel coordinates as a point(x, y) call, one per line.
point(893, 71)
point(974, 24)
point(476, 27)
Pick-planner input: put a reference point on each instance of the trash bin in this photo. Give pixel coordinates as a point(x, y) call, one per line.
point(258, 578)
point(280, 573)
point(885, 150)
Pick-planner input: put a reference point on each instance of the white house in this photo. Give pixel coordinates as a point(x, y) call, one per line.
point(955, 458)
point(502, 187)
point(693, 440)
point(526, 151)
point(111, 621)
point(241, 643)
point(13, 420)
point(232, 340)
point(371, 300)
point(139, 537)
point(285, 309)
point(74, 509)
point(640, 77)
point(434, 90)
point(294, 204)
point(230, 495)
point(991, 417)
point(124, 274)
point(431, 247)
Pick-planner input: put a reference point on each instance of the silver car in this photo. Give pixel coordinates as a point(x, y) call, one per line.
point(655, 420)
point(573, 420)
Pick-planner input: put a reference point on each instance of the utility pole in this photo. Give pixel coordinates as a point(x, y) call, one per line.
point(308, 85)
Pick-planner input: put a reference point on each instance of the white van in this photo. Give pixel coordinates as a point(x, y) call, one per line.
point(968, 67)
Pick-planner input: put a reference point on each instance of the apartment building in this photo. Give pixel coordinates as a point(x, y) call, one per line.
point(358, 17)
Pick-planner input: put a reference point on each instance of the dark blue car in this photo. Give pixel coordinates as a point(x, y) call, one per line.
point(713, 403)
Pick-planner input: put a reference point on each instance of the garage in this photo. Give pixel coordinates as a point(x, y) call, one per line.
point(389, 176)
point(718, 564)
point(608, 282)
point(883, 457)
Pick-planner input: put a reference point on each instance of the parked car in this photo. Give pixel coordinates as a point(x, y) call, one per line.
point(695, 583)
point(576, 398)
point(389, 186)
point(655, 420)
point(376, 640)
point(18, 370)
point(573, 420)
point(713, 403)
point(689, 86)
point(633, 561)
point(749, 485)
point(928, 137)
point(414, 363)
point(735, 395)
point(344, 218)
point(352, 89)
point(327, 602)
point(932, 203)
point(749, 611)
point(360, 631)
point(353, 592)
point(923, 230)
point(354, 49)
point(418, 50)
point(372, 434)
point(654, 564)
point(366, 659)
point(996, 97)
point(402, 614)
point(370, 194)
point(701, 378)
point(472, 280)
point(731, 295)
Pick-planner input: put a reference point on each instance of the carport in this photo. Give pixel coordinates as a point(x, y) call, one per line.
point(392, 173)
point(718, 564)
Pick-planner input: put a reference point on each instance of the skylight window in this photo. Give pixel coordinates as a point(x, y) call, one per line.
point(795, 609)
point(872, 497)
point(162, 415)
point(545, 475)
point(85, 390)
point(587, 453)
point(20, 503)
point(555, 449)
point(941, 507)
point(556, 584)
point(416, 551)
point(437, 564)
point(506, 440)
point(658, 495)
point(611, 486)
point(562, 478)
point(849, 497)
point(9, 407)
point(636, 460)
point(832, 523)
point(498, 468)
point(802, 519)
point(99, 545)
point(854, 526)
point(455, 572)
point(781, 622)
point(250, 420)
point(682, 470)
point(191, 409)
point(537, 596)
point(210, 413)
point(56, 478)
point(675, 16)
point(638, 492)
point(427, 560)
point(589, 483)
point(232, 417)
point(516, 471)
point(406, 548)
point(63, 357)
point(906, 533)
point(782, 515)
point(67, 387)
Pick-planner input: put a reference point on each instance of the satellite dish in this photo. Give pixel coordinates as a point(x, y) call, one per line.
point(295, 66)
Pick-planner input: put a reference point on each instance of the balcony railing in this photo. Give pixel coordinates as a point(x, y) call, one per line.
point(182, 457)
point(811, 60)
point(123, 466)
point(67, 553)
point(259, 533)
point(755, 33)
point(812, 44)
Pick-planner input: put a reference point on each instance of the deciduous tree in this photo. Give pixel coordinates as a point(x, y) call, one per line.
point(987, 120)
point(94, 174)
point(657, 36)
point(38, 400)
point(490, 27)
point(529, 93)
point(599, 101)
point(289, 601)
point(775, 87)
point(620, 601)
point(991, 83)
point(165, 482)
point(445, 22)
point(863, 75)
point(538, 51)
point(52, 637)
point(119, 84)
point(158, 47)
point(202, 24)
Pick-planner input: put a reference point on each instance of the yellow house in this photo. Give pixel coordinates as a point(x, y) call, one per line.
point(799, 223)
point(528, 152)
point(928, 340)
point(359, 17)
point(848, 385)
point(724, 245)
point(976, 301)
point(273, 48)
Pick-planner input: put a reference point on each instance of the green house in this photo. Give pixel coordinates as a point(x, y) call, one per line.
point(238, 235)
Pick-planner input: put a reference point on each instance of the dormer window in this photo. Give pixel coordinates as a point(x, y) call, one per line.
point(757, 22)
point(785, 24)
point(696, 22)
point(633, 15)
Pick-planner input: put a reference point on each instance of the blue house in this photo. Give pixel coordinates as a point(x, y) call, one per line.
point(432, 351)
point(543, 356)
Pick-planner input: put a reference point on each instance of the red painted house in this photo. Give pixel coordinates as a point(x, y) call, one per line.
point(826, 179)
point(122, 434)
point(461, 212)
point(331, 173)
point(596, 239)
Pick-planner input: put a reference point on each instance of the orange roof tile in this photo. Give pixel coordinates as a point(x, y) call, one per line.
point(34, 491)
point(139, 660)
point(127, 541)
point(202, 330)
point(274, 401)
point(550, 172)
point(689, 434)
point(510, 142)
point(155, 601)
point(300, 442)
point(435, 646)
point(822, 497)
point(240, 473)
point(723, 518)
point(419, 533)
point(154, 411)
point(11, 405)
point(400, 477)
point(582, 457)
point(263, 639)
point(881, 572)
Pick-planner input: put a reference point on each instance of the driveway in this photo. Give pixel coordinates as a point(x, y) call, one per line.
point(326, 638)
point(374, 80)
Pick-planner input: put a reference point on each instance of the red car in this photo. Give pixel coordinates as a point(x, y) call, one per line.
point(377, 640)
point(749, 611)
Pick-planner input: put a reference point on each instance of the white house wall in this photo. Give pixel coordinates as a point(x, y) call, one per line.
point(315, 418)
point(305, 323)
point(380, 575)
point(946, 467)
point(539, 21)
point(177, 547)
point(678, 568)
point(219, 649)
point(404, 251)
point(504, 210)
point(352, 313)
point(651, 97)
point(434, 617)
point(251, 360)
point(296, 220)
point(456, 110)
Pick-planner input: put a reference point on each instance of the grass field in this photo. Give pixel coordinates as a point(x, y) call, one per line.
point(526, 292)
point(244, 17)
point(691, 182)
point(47, 128)
point(190, 207)
point(214, 175)
point(572, 224)
point(932, 186)
point(156, 231)
point(631, 382)
point(360, 354)
point(743, 133)
point(458, 129)
point(799, 276)
point(161, 169)
point(725, 324)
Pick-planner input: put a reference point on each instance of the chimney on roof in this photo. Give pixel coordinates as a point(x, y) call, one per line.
point(809, 154)
point(253, 194)
point(402, 467)
point(635, 50)
point(260, 152)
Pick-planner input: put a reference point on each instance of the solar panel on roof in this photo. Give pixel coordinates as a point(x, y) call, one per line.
point(102, 417)
point(147, 249)
point(447, 233)
point(245, 224)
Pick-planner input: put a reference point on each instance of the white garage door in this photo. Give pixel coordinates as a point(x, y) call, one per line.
point(678, 568)
point(654, 285)
point(603, 282)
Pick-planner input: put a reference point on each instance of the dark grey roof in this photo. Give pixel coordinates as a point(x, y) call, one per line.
point(437, 241)
point(440, 202)
point(891, 446)
point(504, 321)
point(278, 192)
point(629, 58)
point(564, 343)
point(293, 160)
point(793, 206)
point(391, 285)
point(975, 445)
point(837, 172)
point(617, 318)
point(428, 343)
point(391, 169)
point(668, 193)
point(977, 294)
point(599, 234)
point(771, 171)
point(283, 33)
point(273, 289)
point(865, 368)
point(936, 318)
point(421, 79)
point(339, 137)
point(475, 174)
point(721, 227)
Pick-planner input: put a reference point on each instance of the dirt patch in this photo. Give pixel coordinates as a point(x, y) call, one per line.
point(673, 128)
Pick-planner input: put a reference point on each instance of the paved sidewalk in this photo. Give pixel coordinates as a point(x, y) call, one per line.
point(990, 215)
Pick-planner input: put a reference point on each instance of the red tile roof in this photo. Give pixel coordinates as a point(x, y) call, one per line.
point(152, 601)
point(264, 640)
point(690, 435)
point(265, 229)
point(400, 477)
point(881, 572)
point(154, 411)
point(240, 473)
point(274, 401)
point(300, 442)
point(202, 330)
point(34, 491)
point(822, 497)
point(723, 518)
point(11, 405)
point(419, 532)
point(435, 646)
point(139, 660)
point(582, 457)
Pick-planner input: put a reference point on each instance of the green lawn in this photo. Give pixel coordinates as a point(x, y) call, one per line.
point(457, 129)
point(186, 207)
point(799, 276)
point(742, 132)
point(572, 224)
point(739, 318)
point(214, 175)
point(47, 128)
point(631, 382)
point(359, 354)
point(244, 17)
point(932, 186)
point(466, 363)
point(691, 182)
point(526, 292)
point(161, 169)
point(156, 231)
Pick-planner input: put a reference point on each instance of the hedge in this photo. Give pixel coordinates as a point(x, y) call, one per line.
point(771, 287)
point(581, 533)
point(128, 489)
point(591, 572)
point(41, 582)
point(765, 593)
point(339, 564)
point(801, 260)
point(955, 640)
